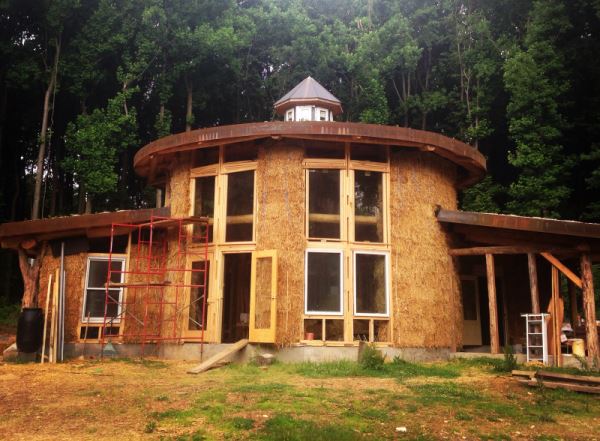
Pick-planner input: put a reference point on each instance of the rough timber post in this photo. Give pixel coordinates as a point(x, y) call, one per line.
point(533, 283)
point(573, 302)
point(491, 284)
point(589, 309)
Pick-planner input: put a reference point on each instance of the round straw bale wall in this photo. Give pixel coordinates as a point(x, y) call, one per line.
point(425, 291)
point(179, 185)
point(280, 226)
point(75, 268)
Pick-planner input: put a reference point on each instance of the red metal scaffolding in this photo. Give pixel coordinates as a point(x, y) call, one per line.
point(157, 292)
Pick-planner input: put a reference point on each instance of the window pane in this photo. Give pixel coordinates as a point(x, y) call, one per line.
point(370, 290)
point(368, 152)
point(196, 319)
point(240, 207)
point(323, 282)
point(204, 204)
point(469, 298)
point(368, 206)
point(324, 204)
point(94, 303)
point(98, 273)
point(247, 151)
point(206, 156)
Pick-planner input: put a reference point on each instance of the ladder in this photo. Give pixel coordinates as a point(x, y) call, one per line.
point(537, 337)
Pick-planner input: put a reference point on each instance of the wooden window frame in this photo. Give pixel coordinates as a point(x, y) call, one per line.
point(386, 254)
point(328, 314)
point(342, 237)
point(102, 257)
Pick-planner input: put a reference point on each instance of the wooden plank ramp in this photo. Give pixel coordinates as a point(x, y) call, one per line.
point(555, 380)
point(215, 359)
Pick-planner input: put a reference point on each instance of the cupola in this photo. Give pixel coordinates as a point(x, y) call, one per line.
point(308, 101)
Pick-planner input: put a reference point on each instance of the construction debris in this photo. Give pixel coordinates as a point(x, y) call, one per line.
point(555, 380)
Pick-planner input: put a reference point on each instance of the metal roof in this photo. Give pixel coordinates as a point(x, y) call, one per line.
point(308, 91)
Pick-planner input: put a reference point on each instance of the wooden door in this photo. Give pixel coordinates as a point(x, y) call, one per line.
point(263, 296)
point(471, 315)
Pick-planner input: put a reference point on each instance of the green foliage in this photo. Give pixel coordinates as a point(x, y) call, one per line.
point(509, 362)
point(536, 79)
point(371, 358)
point(483, 196)
point(95, 141)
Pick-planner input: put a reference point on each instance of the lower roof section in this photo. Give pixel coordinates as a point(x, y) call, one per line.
point(12, 234)
point(149, 160)
point(530, 233)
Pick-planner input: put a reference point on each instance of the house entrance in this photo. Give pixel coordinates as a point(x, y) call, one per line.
point(236, 296)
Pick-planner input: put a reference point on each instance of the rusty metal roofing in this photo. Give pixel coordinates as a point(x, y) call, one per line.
point(75, 225)
point(308, 91)
point(521, 223)
point(471, 162)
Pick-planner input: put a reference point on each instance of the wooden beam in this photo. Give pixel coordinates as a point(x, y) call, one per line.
point(556, 317)
point(533, 283)
point(589, 308)
point(563, 268)
point(491, 283)
point(212, 361)
point(502, 249)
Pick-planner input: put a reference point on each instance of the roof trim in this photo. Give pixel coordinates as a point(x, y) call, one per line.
point(151, 156)
point(76, 225)
point(521, 223)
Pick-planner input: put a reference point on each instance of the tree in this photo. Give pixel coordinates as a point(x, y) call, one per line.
point(94, 142)
point(536, 79)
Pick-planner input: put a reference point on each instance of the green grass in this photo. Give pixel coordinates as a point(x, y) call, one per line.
point(398, 369)
point(288, 428)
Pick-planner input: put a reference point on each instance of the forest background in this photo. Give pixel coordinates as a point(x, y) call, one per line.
point(85, 83)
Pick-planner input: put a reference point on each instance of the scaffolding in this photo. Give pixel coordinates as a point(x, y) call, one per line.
point(158, 291)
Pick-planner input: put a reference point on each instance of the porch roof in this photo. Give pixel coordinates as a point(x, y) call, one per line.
point(91, 225)
point(531, 233)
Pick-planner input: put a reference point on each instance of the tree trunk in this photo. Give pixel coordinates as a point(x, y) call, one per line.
point(189, 105)
point(589, 309)
point(39, 173)
point(31, 274)
point(88, 204)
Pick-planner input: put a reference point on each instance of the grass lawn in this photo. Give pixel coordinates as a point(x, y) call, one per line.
point(131, 399)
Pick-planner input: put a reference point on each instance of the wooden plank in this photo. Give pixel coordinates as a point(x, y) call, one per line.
point(48, 292)
point(503, 249)
point(212, 361)
point(589, 309)
point(491, 283)
point(528, 374)
point(567, 377)
point(533, 283)
point(563, 268)
point(557, 317)
point(559, 385)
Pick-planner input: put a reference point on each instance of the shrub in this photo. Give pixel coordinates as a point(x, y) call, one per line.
point(371, 358)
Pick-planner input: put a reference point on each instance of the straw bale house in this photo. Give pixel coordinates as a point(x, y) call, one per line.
point(318, 234)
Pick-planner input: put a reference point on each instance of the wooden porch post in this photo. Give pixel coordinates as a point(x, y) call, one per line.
point(589, 309)
point(556, 314)
point(491, 284)
point(533, 283)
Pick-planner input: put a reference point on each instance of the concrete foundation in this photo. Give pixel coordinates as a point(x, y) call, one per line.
point(291, 354)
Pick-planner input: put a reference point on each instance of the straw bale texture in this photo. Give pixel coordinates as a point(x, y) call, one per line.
point(179, 183)
point(75, 267)
point(280, 226)
point(425, 290)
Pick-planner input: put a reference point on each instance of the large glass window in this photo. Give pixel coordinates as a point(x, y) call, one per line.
point(324, 204)
point(204, 204)
point(240, 207)
point(323, 282)
point(95, 289)
point(200, 273)
point(368, 206)
point(370, 283)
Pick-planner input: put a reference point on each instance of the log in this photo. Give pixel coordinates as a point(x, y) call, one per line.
point(556, 314)
point(533, 283)
point(491, 283)
point(589, 309)
point(563, 268)
point(503, 249)
point(587, 379)
point(560, 385)
point(212, 361)
point(574, 308)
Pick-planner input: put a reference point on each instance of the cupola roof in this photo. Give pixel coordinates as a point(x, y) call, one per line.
point(308, 92)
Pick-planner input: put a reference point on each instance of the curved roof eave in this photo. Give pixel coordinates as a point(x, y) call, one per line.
point(464, 155)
